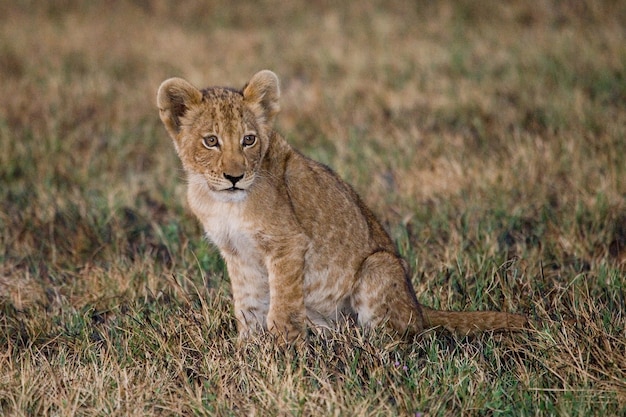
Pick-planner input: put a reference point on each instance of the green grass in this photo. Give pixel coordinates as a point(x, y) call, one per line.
point(489, 137)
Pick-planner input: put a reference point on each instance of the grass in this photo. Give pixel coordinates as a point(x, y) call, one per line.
point(489, 138)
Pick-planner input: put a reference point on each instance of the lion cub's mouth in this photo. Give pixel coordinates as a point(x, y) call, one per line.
point(233, 194)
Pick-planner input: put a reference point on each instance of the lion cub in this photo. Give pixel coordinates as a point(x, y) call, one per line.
point(299, 244)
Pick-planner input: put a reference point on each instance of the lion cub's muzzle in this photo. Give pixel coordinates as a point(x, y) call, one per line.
point(232, 183)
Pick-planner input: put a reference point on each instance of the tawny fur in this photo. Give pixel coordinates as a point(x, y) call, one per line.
point(299, 244)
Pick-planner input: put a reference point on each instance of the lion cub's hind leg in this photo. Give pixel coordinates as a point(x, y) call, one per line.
point(384, 296)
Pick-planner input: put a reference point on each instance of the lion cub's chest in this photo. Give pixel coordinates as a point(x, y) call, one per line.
point(231, 233)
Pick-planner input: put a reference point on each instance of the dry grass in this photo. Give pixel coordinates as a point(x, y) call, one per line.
point(490, 138)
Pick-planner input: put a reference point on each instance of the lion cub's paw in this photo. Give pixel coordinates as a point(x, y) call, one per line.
point(288, 328)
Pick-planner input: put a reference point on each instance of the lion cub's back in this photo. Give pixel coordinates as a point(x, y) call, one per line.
point(342, 230)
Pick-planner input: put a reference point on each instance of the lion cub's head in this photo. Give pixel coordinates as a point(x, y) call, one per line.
point(220, 134)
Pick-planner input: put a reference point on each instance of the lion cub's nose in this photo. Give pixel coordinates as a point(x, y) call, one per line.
point(233, 179)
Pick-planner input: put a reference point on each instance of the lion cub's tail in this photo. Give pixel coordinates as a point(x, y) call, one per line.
point(471, 322)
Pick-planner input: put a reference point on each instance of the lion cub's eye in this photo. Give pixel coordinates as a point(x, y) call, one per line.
point(210, 141)
point(248, 140)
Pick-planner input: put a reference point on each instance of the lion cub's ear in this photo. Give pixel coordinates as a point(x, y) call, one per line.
point(261, 94)
point(174, 98)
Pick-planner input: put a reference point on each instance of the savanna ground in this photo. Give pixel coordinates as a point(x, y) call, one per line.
point(489, 137)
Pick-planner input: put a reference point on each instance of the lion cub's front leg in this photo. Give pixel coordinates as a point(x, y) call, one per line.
point(248, 279)
point(285, 266)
